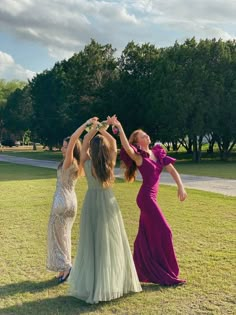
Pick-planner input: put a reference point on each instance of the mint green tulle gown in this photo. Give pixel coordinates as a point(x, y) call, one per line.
point(103, 268)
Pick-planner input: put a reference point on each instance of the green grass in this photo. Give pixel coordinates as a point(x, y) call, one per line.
point(208, 168)
point(204, 237)
point(38, 155)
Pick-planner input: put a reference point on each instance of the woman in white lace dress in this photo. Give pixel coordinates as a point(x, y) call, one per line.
point(64, 207)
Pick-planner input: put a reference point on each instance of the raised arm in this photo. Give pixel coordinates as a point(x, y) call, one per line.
point(86, 141)
point(107, 135)
point(182, 195)
point(111, 140)
point(70, 148)
point(124, 141)
point(74, 137)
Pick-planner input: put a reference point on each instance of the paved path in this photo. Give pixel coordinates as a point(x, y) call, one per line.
point(218, 185)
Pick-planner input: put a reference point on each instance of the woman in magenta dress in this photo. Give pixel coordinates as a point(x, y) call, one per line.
point(154, 254)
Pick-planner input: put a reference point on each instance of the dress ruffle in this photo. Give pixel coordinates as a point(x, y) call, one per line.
point(127, 159)
point(161, 155)
point(158, 151)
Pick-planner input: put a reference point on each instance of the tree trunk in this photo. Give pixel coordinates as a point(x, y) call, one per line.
point(210, 147)
point(187, 144)
point(197, 148)
point(175, 145)
point(225, 147)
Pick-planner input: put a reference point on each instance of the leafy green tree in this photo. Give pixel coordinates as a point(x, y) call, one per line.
point(131, 92)
point(66, 95)
point(18, 111)
point(190, 92)
point(179, 94)
point(88, 73)
point(6, 89)
point(49, 118)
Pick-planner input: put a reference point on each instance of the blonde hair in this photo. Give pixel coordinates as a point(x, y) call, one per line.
point(130, 172)
point(102, 160)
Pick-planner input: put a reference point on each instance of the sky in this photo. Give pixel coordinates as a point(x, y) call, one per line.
point(35, 34)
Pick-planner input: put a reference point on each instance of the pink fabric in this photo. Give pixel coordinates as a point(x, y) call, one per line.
point(154, 254)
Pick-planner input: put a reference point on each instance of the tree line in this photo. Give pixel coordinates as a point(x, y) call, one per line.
point(184, 94)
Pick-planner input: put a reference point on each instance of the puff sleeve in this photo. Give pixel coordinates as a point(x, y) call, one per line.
point(162, 157)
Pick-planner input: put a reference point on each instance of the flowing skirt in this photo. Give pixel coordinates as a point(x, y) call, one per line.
point(103, 269)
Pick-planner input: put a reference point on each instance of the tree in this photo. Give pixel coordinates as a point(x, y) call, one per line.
point(88, 73)
point(6, 89)
point(49, 118)
point(18, 111)
point(131, 92)
point(66, 95)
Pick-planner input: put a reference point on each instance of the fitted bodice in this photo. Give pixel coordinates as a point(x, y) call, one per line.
point(65, 201)
point(150, 169)
point(66, 179)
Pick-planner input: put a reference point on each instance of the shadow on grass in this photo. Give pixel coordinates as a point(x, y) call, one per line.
point(26, 286)
point(151, 287)
point(53, 306)
point(58, 305)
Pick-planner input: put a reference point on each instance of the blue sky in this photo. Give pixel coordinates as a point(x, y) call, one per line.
point(34, 34)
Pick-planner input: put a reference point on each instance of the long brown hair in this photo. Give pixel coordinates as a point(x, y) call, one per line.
point(102, 160)
point(130, 172)
point(76, 154)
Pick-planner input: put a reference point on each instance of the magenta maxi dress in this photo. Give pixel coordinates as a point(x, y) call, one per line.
point(154, 254)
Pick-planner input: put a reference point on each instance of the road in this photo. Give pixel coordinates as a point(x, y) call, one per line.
point(222, 186)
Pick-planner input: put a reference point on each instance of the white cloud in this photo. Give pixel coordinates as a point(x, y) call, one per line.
point(10, 70)
point(211, 16)
point(15, 7)
point(66, 26)
point(59, 53)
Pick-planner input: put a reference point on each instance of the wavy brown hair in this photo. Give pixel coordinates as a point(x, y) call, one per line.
point(131, 171)
point(76, 154)
point(102, 160)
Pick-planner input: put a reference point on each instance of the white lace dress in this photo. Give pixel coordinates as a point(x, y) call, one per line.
point(63, 213)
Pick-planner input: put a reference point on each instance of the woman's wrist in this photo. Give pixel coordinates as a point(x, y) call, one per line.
point(102, 125)
point(89, 125)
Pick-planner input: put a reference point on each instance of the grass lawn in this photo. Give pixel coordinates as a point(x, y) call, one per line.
point(38, 155)
point(208, 168)
point(204, 237)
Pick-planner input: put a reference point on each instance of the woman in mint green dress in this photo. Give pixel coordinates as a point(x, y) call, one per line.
point(103, 268)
